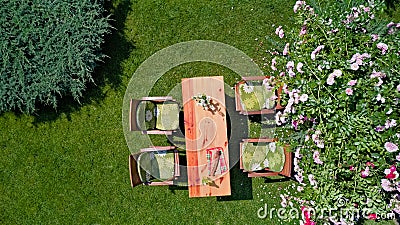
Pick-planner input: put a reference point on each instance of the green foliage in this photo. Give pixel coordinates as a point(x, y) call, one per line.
point(48, 49)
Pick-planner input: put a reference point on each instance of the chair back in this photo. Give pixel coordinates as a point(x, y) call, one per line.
point(133, 126)
point(134, 171)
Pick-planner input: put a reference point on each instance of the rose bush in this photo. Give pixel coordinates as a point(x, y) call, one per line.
point(341, 76)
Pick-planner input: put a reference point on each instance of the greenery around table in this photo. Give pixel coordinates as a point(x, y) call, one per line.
point(70, 166)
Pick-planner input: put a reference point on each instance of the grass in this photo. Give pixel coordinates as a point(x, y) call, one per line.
point(70, 166)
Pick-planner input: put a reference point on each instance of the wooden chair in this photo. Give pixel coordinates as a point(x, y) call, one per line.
point(154, 166)
point(257, 157)
point(252, 97)
point(154, 115)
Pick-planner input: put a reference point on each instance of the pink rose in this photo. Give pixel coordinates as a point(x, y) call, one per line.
point(330, 80)
point(354, 66)
point(299, 66)
point(286, 49)
point(352, 82)
point(391, 147)
point(375, 37)
point(365, 173)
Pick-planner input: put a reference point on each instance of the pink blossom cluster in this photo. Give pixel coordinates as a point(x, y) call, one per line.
point(294, 98)
point(357, 12)
point(290, 68)
point(391, 26)
point(391, 147)
point(312, 181)
point(372, 216)
point(391, 173)
point(301, 120)
point(374, 37)
point(316, 51)
point(286, 49)
point(303, 30)
point(383, 47)
point(315, 137)
point(380, 76)
point(297, 5)
point(357, 60)
point(280, 118)
point(389, 124)
point(283, 200)
point(302, 5)
point(387, 185)
point(333, 31)
point(300, 70)
point(395, 203)
point(341, 222)
point(365, 173)
point(352, 82)
point(331, 78)
point(279, 31)
point(299, 172)
point(316, 158)
point(379, 98)
point(273, 64)
point(349, 91)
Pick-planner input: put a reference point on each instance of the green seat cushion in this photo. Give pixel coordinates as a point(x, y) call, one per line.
point(146, 115)
point(254, 96)
point(166, 163)
point(257, 156)
point(276, 159)
point(167, 116)
point(156, 166)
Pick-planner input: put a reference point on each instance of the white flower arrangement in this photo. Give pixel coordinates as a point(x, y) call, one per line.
point(204, 101)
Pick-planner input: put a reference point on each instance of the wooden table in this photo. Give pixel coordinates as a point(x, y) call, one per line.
point(205, 132)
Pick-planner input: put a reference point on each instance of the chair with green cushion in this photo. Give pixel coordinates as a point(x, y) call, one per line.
point(252, 96)
point(264, 157)
point(157, 165)
point(154, 115)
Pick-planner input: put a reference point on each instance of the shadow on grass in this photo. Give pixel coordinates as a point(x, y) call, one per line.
point(241, 185)
point(392, 7)
point(391, 4)
point(117, 49)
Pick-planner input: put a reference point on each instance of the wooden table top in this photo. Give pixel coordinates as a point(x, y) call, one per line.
point(206, 136)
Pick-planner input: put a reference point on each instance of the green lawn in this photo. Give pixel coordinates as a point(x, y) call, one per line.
point(70, 166)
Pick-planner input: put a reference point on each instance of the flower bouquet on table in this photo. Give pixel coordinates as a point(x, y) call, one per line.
point(342, 109)
point(206, 102)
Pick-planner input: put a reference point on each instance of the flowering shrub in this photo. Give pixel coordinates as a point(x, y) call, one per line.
point(341, 78)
